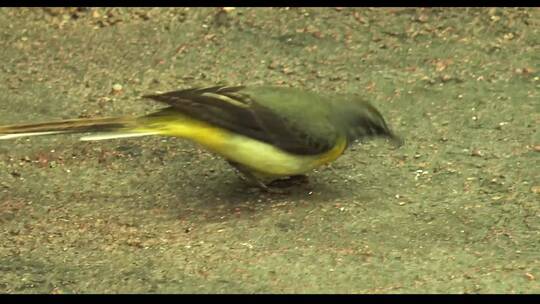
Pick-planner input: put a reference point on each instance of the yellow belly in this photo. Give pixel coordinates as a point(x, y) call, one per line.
point(256, 155)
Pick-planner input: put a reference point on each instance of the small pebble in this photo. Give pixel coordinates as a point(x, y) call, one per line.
point(508, 36)
point(501, 125)
point(477, 152)
point(117, 87)
point(423, 18)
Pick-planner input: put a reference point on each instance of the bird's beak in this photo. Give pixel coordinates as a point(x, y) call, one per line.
point(395, 140)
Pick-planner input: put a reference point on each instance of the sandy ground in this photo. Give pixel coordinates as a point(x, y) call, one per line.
point(454, 210)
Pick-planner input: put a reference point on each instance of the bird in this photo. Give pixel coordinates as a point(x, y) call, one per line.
point(268, 133)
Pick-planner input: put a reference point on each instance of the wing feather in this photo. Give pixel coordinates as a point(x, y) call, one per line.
point(234, 110)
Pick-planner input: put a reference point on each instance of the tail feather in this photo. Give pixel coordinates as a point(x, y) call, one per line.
point(103, 136)
point(17, 135)
point(116, 124)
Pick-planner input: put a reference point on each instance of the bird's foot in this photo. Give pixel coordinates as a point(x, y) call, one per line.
point(290, 181)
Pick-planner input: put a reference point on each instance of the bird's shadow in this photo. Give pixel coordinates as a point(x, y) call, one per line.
point(227, 195)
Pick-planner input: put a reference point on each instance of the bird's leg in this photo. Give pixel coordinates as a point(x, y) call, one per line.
point(248, 176)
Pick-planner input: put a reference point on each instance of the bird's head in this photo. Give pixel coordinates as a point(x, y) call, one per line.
point(364, 120)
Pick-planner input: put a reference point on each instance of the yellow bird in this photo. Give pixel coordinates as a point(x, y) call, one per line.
point(266, 132)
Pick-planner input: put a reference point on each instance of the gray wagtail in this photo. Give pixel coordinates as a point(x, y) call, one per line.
point(265, 132)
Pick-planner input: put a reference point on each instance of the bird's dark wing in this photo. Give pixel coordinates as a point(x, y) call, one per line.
point(232, 109)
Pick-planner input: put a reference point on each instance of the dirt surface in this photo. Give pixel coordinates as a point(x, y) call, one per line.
point(456, 209)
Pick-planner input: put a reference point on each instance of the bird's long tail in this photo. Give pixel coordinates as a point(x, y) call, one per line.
point(104, 128)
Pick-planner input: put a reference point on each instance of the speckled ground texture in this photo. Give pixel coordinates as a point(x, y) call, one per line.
point(456, 209)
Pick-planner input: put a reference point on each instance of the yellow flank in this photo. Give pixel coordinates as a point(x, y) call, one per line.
point(256, 155)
